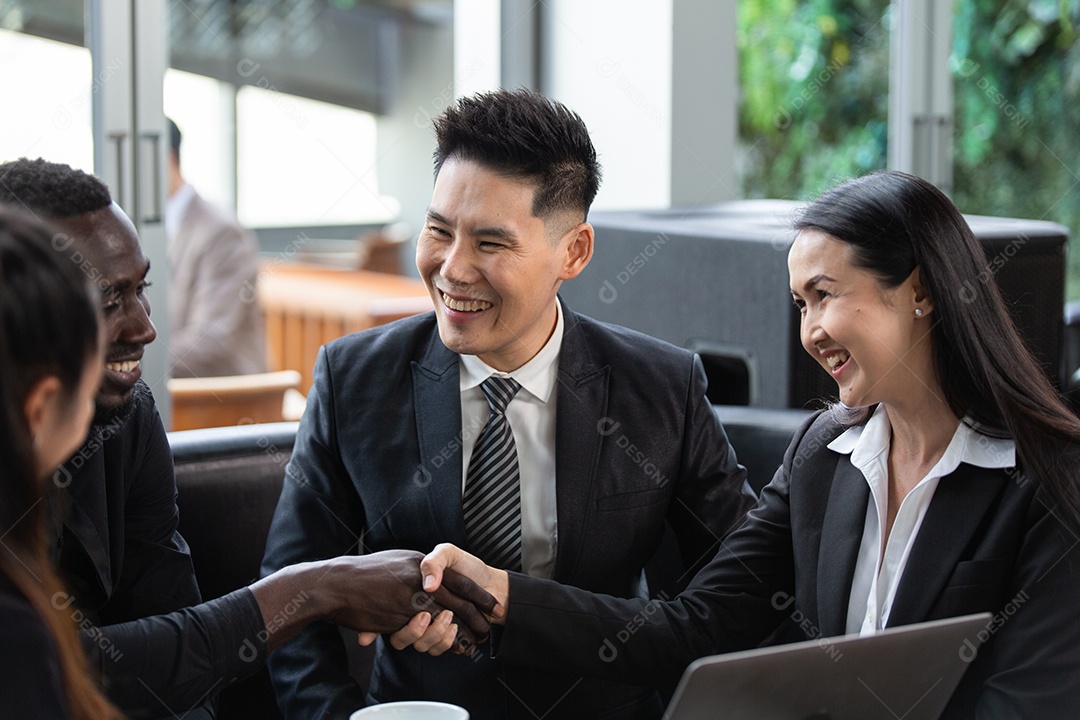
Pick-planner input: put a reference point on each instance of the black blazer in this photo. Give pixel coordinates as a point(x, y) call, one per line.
point(131, 588)
point(377, 465)
point(120, 553)
point(988, 543)
point(123, 559)
point(31, 684)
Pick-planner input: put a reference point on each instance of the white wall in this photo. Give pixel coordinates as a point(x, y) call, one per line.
point(406, 140)
point(477, 46)
point(610, 60)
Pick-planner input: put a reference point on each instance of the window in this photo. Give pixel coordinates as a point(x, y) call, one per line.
point(200, 107)
point(47, 92)
point(302, 162)
point(1016, 80)
point(814, 76)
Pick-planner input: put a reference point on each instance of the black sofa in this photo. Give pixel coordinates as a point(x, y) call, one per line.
point(229, 480)
point(760, 436)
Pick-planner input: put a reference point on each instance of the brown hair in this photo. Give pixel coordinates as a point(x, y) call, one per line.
point(48, 327)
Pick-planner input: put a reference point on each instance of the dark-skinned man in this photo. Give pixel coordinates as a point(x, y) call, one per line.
point(114, 534)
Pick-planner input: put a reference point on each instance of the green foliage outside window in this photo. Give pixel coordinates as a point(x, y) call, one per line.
point(814, 76)
point(1016, 80)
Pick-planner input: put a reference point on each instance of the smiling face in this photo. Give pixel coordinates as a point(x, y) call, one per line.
point(866, 336)
point(115, 262)
point(492, 267)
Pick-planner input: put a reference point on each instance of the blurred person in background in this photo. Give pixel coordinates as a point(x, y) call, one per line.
point(215, 324)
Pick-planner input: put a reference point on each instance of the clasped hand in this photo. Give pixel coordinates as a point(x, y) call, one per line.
point(383, 592)
point(449, 568)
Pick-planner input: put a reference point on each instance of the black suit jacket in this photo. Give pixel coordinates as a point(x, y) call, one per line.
point(377, 465)
point(988, 543)
point(131, 586)
point(119, 551)
point(31, 684)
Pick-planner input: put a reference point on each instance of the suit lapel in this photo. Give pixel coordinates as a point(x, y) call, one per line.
point(582, 404)
point(842, 529)
point(437, 409)
point(960, 503)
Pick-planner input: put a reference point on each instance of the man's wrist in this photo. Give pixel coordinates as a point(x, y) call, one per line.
point(294, 597)
point(319, 586)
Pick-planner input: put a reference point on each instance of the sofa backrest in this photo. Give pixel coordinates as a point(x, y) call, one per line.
point(228, 482)
point(760, 437)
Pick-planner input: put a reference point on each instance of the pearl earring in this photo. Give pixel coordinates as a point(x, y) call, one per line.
point(918, 312)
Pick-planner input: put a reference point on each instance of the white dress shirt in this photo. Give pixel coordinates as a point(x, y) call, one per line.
point(532, 419)
point(878, 570)
point(176, 206)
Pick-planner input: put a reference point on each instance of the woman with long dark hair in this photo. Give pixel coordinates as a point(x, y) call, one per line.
point(945, 482)
point(50, 364)
point(894, 224)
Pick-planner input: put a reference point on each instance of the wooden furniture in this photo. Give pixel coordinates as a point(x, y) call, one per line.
point(381, 252)
point(307, 306)
point(230, 400)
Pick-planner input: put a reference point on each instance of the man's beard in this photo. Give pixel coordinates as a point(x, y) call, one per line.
point(108, 415)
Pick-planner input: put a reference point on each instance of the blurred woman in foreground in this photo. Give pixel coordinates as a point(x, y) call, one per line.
point(944, 483)
point(50, 364)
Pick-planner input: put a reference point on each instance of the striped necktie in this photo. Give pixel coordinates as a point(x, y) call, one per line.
point(492, 499)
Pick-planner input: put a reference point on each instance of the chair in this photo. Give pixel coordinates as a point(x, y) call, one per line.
point(381, 252)
point(1070, 355)
point(230, 400)
point(388, 310)
point(760, 437)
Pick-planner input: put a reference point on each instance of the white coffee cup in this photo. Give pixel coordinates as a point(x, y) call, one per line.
point(411, 710)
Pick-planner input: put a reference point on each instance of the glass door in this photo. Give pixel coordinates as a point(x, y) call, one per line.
point(82, 85)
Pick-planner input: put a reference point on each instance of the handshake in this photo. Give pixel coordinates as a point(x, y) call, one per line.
point(446, 600)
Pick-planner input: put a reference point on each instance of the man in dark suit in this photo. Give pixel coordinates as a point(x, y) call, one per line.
point(540, 439)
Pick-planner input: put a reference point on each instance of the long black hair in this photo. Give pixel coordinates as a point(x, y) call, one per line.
point(48, 328)
point(895, 223)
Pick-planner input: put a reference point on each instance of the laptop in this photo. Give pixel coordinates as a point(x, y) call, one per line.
point(906, 672)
